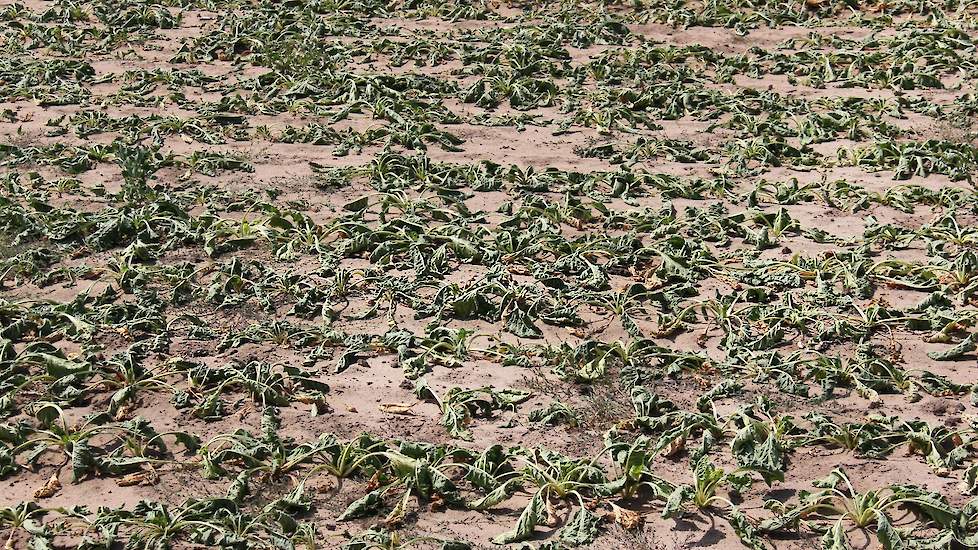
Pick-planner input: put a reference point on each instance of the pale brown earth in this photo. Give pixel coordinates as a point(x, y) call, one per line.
point(356, 395)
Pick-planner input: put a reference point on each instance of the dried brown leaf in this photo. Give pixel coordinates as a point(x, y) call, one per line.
point(50, 488)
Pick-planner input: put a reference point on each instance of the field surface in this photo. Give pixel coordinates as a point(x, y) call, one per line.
point(367, 274)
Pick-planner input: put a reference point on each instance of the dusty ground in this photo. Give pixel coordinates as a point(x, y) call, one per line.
point(214, 215)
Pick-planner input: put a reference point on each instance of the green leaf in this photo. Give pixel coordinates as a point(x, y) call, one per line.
point(347, 359)
point(520, 324)
point(835, 538)
point(59, 367)
point(497, 495)
point(47, 414)
point(756, 447)
point(82, 460)
point(534, 513)
point(189, 441)
point(679, 497)
point(581, 529)
point(967, 345)
point(357, 205)
point(889, 536)
point(745, 530)
point(364, 506)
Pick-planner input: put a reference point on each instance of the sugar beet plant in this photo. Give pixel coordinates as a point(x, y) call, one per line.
point(452, 274)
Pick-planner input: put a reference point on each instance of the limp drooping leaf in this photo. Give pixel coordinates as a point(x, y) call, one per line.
point(82, 460)
point(364, 506)
point(520, 324)
point(745, 530)
point(756, 446)
point(835, 538)
point(956, 351)
point(890, 537)
point(581, 529)
point(496, 496)
point(677, 499)
point(534, 514)
point(553, 414)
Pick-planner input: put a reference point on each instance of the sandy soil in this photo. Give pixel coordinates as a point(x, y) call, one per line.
point(369, 394)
